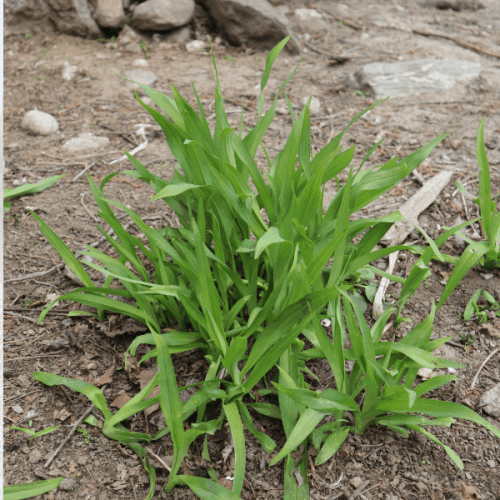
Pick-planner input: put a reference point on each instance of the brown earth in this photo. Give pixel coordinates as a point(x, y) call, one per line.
point(396, 468)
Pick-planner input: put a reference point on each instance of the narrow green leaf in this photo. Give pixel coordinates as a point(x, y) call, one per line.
point(304, 426)
point(332, 444)
point(30, 490)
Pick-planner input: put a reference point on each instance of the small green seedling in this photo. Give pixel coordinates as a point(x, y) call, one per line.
point(28, 35)
point(480, 310)
point(143, 48)
point(30, 490)
point(362, 94)
point(26, 189)
point(34, 434)
point(468, 339)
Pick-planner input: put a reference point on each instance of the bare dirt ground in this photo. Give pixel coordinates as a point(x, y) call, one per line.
point(97, 101)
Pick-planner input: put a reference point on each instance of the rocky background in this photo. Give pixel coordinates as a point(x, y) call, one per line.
point(256, 23)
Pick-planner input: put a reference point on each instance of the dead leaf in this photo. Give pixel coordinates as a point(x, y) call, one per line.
point(106, 378)
point(61, 414)
point(121, 400)
point(491, 329)
point(470, 492)
point(72, 467)
point(129, 326)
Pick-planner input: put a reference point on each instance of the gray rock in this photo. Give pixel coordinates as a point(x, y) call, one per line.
point(109, 13)
point(315, 107)
point(491, 464)
point(142, 76)
point(73, 18)
point(26, 16)
point(415, 77)
point(490, 401)
point(86, 141)
point(356, 481)
point(128, 35)
point(69, 72)
point(67, 484)
point(39, 123)
point(196, 46)
point(255, 23)
point(309, 21)
point(162, 14)
point(181, 35)
point(456, 5)
point(140, 63)
point(35, 456)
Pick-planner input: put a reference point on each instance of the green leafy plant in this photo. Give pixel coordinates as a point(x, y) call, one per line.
point(25, 189)
point(386, 372)
point(246, 277)
point(143, 48)
point(30, 490)
point(34, 434)
point(480, 310)
point(485, 253)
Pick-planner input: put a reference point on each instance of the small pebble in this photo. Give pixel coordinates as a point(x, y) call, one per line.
point(39, 123)
point(67, 484)
point(491, 464)
point(356, 481)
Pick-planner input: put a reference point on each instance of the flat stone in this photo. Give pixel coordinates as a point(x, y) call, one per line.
point(109, 13)
point(490, 401)
point(141, 76)
point(39, 123)
point(86, 141)
point(491, 463)
point(255, 23)
point(162, 14)
point(415, 77)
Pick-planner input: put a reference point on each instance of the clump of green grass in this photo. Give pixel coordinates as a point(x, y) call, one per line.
point(247, 278)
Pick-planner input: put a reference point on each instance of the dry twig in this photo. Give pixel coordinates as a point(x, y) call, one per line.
point(461, 43)
point(481, 367)
point(73, 430)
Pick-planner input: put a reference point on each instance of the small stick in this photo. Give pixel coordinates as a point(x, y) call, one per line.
point(82, 197)
point(103, 153)
point(83, 171)
point(158, 458)
point(358, 490)
point(26, 318)
point(352, 25)
point(133, 152)
point(481, 367)
point(133, 488)
point(71, 432)
point(459, 42)
point(438, 103)
point(339, 59)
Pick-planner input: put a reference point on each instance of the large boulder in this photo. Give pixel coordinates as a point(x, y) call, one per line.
point(26, 16)
point(109, 13)
point(255, 23)
point(73, 18)
point(162, 15)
